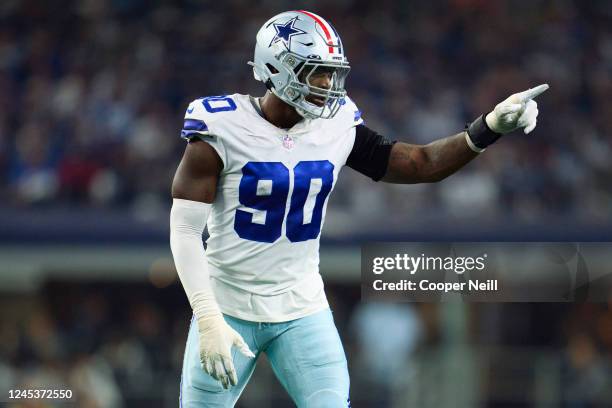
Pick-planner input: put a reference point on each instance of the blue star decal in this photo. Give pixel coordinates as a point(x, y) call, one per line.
point(285, 31)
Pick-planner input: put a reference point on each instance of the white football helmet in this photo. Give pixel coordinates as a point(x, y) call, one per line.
point(291, 48)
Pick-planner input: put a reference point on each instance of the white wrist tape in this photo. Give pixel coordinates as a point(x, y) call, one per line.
point(187, 221)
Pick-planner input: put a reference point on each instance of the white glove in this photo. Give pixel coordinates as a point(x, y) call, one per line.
point(517, 111)
point(216, 340)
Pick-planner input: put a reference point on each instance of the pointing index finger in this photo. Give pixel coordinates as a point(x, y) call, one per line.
point(532, 92)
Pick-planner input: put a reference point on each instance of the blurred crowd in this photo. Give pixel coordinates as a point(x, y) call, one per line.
point(92, 95)
point(121, 345)
point(107, 354)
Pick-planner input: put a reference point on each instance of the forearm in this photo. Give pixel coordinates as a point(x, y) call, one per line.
point(430, 163)
point(446, 156)
point(187, 222)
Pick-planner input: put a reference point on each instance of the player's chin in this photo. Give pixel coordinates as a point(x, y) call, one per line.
point(316, 100)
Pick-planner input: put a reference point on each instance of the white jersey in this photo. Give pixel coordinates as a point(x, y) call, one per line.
point(265, 223)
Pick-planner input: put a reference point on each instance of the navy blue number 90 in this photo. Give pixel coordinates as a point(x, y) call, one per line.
point(265, 186)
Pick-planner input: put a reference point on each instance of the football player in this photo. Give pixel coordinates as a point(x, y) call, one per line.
point(258, 173)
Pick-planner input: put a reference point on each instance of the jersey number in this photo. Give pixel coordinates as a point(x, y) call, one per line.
point(265, 187)
point(221, 103)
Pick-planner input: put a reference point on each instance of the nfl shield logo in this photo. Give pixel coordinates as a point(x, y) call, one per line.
point(288, 142)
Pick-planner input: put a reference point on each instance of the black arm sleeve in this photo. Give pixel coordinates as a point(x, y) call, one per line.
point(370, 154)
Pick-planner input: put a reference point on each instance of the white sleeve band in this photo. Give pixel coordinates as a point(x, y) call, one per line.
point(472, 145)
point(187, 221)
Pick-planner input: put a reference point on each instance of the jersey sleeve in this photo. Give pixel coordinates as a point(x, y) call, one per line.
point(199, 125)
point(370, 153)
point(353, 112)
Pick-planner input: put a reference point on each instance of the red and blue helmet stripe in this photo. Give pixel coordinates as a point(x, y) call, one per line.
point(328, 29)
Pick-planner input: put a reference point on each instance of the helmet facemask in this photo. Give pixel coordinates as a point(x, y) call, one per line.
point(299, 91)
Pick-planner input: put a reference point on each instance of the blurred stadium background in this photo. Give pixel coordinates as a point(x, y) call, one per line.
point(92, 95)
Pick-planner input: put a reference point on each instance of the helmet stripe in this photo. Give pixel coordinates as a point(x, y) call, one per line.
point(338, 37)
point(325, 30)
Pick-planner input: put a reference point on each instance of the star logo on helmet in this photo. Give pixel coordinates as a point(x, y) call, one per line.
point(285, 31)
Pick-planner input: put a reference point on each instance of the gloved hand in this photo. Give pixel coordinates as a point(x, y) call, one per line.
point(216, 339)
point(517, 111)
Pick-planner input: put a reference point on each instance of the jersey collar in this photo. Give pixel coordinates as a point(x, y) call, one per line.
point(302, 126)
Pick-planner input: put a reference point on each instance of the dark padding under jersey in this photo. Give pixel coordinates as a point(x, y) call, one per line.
point(370, 154)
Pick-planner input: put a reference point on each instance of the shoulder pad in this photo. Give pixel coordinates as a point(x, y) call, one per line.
point(351, 112)
point(203, 112)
